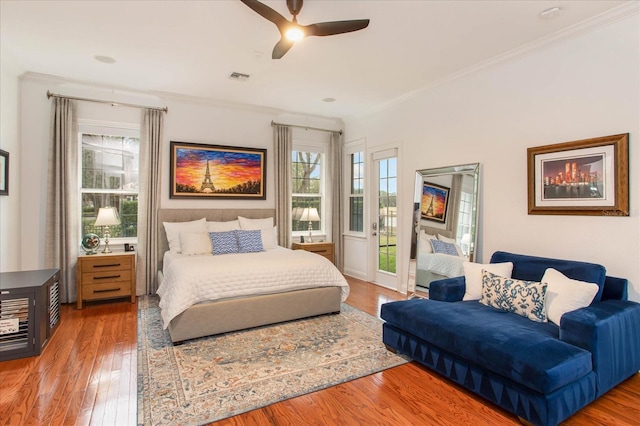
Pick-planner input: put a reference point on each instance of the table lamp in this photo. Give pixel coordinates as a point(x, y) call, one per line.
point(107, 216)
point(310, 214)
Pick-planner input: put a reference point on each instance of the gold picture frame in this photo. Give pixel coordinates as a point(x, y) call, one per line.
point(588, 177)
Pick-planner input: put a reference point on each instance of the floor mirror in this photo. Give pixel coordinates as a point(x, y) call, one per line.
point(445, 224)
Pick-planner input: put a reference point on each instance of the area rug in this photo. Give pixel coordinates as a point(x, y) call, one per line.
point(212, 378)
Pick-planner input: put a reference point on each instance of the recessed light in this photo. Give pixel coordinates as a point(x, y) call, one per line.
point(104, 59)
point(550, 13)
point(329, 100)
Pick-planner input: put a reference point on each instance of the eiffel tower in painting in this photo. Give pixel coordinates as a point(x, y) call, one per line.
point(430, 211)
point(206, 183)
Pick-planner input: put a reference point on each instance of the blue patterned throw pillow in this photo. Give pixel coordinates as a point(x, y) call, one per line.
point(525, 298)
point(224, 242)
point(249, 241)
point(444, 247)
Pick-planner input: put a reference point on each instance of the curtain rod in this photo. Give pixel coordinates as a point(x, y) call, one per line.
point(112, 103)
point(273, 123)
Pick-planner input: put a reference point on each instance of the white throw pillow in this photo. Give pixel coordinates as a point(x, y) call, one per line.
point(231, 225)
point(473, 276)
point(452, 241)
point(173, 230)
point(192, 243)
point(565, 294)
point(425, 244)
point(268, 231)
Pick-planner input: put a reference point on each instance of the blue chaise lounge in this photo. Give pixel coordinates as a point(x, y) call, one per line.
point(541, 372)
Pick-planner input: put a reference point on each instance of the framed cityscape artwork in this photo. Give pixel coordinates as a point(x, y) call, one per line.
point(584, 177)
point(217, 171)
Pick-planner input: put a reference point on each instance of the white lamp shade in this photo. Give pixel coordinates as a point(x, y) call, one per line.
point(107, 216)
point(297, 213)
point(310, 215)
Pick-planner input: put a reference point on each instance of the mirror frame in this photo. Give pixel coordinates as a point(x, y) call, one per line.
point(421, 174)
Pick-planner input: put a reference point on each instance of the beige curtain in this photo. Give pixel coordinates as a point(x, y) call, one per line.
point(283, 143)
point(62, 239)
point(455, 195)
point(337, 218)
point(149, 200)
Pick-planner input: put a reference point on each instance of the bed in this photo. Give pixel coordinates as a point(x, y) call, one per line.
point(317, 287)
point(431, 266)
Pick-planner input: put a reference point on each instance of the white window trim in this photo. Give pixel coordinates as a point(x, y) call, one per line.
point(320, 148)
point(349, 149)
point(110, 128)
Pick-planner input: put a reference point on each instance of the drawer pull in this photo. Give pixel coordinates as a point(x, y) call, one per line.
point(318, 251)
point(107, 277)
point(107, 290)
point(106, 265)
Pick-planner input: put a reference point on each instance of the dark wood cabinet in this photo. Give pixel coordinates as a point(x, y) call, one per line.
point(29, 311)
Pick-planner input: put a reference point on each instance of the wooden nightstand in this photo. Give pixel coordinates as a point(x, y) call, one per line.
point(323, 249)
point(106, 276)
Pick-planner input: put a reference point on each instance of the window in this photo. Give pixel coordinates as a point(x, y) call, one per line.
point(356, 194)
point(464, 222)
point(109, 177)
point(307, 187)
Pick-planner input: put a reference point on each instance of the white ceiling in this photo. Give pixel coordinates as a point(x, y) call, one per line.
point(191, 47)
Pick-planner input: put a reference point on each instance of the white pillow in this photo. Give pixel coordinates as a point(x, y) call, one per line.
point(252, 224)
point(425, 244)
point(565, 294)
point(231, 225)
point(173, 230)
point(473, 276)
point(195, 243)
point(267, 230)
point(452, 241)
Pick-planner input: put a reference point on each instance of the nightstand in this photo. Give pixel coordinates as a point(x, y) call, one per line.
point(323, 249)
point(106, 276)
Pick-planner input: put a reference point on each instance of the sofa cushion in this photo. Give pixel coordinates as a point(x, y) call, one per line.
point(532, 268)
point(524, 351)
point(524, 298)
point(565, 295)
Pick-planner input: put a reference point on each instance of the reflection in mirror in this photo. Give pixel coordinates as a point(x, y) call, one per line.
point(444, 231)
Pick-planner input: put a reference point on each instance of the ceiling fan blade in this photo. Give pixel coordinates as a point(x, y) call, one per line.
point(281, 48)
point(267, 13)
point(336, 27)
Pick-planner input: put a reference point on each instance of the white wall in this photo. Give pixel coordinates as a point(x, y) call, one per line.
point(585, 86)
point(10, 142)
point(188, 120)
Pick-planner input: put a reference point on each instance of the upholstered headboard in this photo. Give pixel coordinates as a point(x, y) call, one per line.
point(432, 230)
point(212, 215)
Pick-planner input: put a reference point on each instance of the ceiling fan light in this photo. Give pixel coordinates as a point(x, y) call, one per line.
point(294, 33)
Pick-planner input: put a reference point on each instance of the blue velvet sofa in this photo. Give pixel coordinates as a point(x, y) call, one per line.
point(540, 372)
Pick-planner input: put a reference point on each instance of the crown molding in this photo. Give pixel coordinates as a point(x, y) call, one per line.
point(589, 25)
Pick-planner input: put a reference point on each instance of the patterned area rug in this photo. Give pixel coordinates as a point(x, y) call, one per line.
point(212, 378)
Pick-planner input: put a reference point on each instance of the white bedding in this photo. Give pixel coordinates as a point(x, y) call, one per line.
point(193, 279)
point(443, 264)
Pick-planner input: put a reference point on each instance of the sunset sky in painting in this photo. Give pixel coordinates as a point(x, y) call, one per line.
point(227, 168)
point(439, 198)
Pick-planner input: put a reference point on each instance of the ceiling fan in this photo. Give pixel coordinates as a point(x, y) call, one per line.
point(291, 31)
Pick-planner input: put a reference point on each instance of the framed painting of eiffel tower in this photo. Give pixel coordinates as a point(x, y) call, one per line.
point(217, 171)
point(435, 200)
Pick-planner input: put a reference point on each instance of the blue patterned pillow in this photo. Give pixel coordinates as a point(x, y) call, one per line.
point(249, 241)
point(525, 298)
point(444, 247)
point(224, 242)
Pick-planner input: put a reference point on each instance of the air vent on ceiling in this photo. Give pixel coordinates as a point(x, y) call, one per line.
point(239, 76)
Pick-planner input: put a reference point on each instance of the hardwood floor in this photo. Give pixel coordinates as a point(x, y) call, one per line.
point(87, 375)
